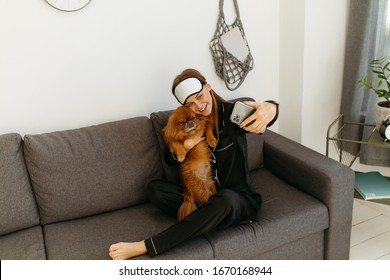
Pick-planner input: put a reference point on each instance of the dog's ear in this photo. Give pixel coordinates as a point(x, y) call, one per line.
point(170, 131)
point(172, 137)
point(175, 146)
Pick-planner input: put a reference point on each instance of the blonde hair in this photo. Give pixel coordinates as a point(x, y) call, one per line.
point(190, 72)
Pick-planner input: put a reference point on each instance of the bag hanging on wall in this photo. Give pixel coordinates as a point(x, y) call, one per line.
point(229, 47)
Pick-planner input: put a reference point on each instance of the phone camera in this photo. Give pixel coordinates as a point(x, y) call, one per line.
point(236, 118)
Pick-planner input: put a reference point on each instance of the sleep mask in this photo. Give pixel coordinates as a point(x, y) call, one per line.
point(187, 88)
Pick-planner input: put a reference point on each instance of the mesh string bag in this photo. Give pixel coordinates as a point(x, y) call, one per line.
point(231, 69)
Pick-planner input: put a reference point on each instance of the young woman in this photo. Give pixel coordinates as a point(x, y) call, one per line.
point(235, 200)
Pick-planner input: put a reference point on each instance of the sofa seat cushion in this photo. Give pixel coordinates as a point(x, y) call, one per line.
point(92, 170)
point(26, 244)
point(306, 248)
point(18, 209)
point(286, 215)
point(90, 238)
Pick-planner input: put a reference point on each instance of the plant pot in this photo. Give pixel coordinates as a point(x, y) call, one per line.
point(381, 113)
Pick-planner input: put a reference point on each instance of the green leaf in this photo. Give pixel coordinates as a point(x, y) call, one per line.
point(387, 64)
point(371, 82)
point(380, 68)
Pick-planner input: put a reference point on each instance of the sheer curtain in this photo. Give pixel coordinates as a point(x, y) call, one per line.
point(368, 38)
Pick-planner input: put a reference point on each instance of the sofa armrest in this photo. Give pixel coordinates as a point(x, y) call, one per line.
point(324, 178)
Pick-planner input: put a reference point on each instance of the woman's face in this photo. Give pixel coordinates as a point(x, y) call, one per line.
point(201, 103)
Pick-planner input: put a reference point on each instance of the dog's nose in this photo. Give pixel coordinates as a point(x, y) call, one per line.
point(190, 126)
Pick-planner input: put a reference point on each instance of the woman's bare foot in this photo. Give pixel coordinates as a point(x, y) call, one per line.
point(127, 250)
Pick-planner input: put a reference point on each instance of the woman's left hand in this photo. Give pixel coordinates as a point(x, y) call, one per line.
point(258, 121)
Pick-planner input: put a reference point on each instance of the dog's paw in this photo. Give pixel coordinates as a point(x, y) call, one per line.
point(185, 209)
point(211, 141)
point(180, 156)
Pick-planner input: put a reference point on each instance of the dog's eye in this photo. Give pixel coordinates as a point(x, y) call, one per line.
point(183, 122)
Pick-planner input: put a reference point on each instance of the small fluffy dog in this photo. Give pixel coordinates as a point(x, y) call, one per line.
point(195, 169)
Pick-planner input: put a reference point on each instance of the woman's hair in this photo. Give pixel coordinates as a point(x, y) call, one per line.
point(214, 96)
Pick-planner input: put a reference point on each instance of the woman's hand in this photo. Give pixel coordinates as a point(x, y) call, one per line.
point(258, 121)
point(192, 142)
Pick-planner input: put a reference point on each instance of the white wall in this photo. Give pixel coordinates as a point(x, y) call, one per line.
point(312, 47)
point(325, 37)
point(116, 59)
point(291, 36)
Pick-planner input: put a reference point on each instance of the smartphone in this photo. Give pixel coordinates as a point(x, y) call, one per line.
point(240, 112)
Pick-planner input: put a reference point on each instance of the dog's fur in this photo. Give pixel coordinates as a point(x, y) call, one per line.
point(195, 169)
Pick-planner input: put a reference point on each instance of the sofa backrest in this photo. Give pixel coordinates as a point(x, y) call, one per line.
point(255, 150)
point(254, 144)
point(18, 209)
point(159, 121)
point(91, 170)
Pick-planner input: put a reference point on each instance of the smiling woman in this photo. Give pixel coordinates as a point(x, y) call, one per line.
point(216, 191)
point(68, 5)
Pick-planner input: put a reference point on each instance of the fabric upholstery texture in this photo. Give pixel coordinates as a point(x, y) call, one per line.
point(27, 244)
point(88, 190)
point(90, 237)
point(18, 209)
point(255, 151)
point(92, 170)
point(283, 208)
point(159, 121)
point(329, 181)
point(306, 248)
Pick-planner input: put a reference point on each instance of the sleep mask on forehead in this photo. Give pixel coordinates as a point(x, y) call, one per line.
point(187, 88)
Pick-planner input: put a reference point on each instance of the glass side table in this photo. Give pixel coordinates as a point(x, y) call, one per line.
point(335, 135)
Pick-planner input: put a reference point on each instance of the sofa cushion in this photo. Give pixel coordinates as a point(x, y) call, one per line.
point(86, 171)
point(26, 244)
point(307, 248)
point(159, 121)
point(90, 237)
point(254, 144)
point(18, 209)
point(285, 216)
point(255, 150)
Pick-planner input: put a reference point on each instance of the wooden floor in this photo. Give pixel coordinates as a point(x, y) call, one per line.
point(370, 237)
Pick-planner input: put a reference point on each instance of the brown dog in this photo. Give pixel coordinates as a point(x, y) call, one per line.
point(195, 169)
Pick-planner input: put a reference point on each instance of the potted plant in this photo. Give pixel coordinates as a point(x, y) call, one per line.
point(379, 84)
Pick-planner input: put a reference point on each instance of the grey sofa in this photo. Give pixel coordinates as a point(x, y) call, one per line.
point(70, 194)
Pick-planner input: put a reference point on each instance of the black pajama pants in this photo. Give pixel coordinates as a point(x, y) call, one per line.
point(225, 208)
